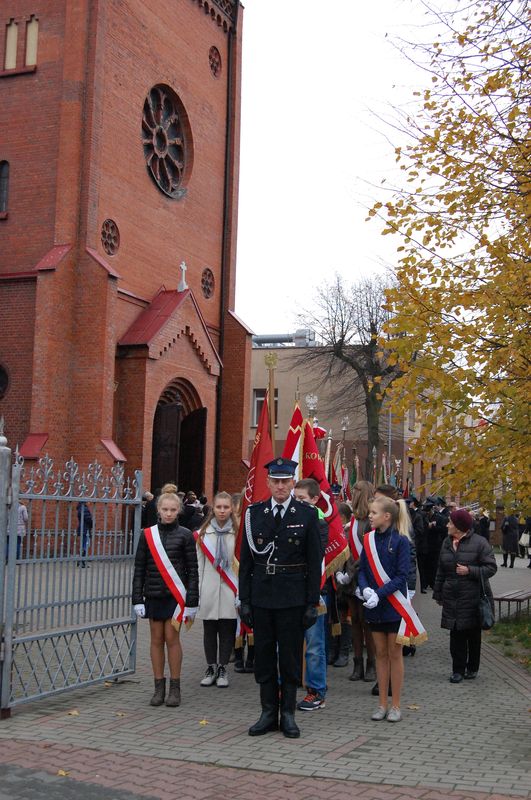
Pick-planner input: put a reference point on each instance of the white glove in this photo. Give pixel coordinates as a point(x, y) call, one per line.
point(367, 593)
point(358, 593)
point(372, 601)
point(342, 578)
point(140, 610)
point(237, 602)
point(410, 594)
point(189, 613)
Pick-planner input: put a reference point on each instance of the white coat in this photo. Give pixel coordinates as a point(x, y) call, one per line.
point(216, 598)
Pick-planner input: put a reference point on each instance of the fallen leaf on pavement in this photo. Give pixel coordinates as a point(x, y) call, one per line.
point(73, 713)
point(413, 707)
point(108, 684)
point(63, 773)
point(203, 722)
point(121, 714)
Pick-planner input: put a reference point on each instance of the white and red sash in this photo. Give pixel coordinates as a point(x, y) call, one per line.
point(411, 629)
point(168, 573)
point(354, 540)
point(227, 575)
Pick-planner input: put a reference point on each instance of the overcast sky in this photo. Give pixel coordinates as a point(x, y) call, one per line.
point(315, 74)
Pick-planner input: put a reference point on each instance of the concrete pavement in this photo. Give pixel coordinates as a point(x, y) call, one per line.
point(466, 741)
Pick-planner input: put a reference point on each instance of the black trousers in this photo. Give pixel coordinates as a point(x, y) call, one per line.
point(222, 631)
point(278, 642)
point(465, 649)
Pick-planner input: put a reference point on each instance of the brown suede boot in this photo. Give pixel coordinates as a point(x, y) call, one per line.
point(160, 691)
point(174, 695)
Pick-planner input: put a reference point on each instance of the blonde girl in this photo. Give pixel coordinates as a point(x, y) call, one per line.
point(390, 520)
point(217, 604)
point(154, 600)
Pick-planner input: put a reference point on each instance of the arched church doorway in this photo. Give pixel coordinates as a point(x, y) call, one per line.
point(179, 437)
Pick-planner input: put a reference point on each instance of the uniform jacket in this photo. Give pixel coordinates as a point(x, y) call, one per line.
point(179, 544)
point(395, 555)
point(460, 593)
point(216, 598)
point(297, 541)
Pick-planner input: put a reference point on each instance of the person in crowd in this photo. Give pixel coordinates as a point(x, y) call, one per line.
point(84, 530)
point(244, 647)
point(390, 539)
point(465, 556)
point(434, 526)
point(510, 536)
point(191, 516)
point(149, 510)
point(165, 590)
point(22, 530)
point(347, 580)
point(218, 588)
point(338, 635)
point(484, 524)
point(309, 491)
point(280, 577)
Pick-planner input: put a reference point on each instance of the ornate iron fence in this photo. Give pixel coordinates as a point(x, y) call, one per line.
point(65, 587)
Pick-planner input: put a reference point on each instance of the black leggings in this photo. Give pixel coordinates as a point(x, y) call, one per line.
point(225, 631)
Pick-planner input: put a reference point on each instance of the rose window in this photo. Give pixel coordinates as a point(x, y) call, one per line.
point(214, 59)
point(166, 140)
point(110, 237)
point(207, 282)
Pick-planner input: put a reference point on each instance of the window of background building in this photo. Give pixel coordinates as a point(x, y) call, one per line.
point(4, 187)
point(10, 58)
point(258, 402)
point(32, 35)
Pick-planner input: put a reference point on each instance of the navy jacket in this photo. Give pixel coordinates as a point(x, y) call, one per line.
point(395, 555)
point(297, 541)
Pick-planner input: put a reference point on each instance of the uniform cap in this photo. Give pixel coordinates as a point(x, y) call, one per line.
point(281, 468)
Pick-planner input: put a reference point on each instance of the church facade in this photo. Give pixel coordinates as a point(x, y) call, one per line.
point(119, 143)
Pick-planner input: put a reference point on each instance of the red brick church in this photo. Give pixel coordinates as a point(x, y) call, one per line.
point(119, 143)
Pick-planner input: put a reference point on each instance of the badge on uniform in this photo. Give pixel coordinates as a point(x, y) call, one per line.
point(292, 509)
point(259, 540)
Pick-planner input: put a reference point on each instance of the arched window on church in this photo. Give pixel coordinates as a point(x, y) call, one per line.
point(32, 36)
point(4, 188)
point(10, 58)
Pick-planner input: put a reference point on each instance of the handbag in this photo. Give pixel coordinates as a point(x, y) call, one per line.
point(486, 615)
point(523, 541)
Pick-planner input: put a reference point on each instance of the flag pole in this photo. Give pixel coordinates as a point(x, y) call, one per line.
point(271, 360)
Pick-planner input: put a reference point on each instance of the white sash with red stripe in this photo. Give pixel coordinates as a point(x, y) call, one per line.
point(226, 573)
point(411, 629)
point(354, 540)
point(168, 573)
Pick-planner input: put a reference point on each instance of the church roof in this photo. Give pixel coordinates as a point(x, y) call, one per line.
point(153, 318)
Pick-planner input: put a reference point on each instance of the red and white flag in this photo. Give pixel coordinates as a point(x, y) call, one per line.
point(292, 446)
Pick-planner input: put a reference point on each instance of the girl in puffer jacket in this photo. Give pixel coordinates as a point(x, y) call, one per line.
point(152, 597)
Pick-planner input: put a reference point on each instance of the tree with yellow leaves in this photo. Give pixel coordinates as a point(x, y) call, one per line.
point(460, 313)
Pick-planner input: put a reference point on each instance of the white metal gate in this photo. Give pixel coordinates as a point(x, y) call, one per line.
point(65, 596)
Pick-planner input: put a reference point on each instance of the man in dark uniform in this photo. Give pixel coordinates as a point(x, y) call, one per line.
point(279, 582)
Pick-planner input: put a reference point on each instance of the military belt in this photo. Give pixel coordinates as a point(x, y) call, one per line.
point(273, 569)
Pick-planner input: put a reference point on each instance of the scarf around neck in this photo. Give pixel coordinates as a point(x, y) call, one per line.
point(221, 559)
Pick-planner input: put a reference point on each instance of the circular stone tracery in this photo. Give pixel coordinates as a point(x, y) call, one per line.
point(207, 282)
point(166, 140)
point(110, 237)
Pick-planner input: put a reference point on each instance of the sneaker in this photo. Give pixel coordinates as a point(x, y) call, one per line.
point(394, 715)
point(311, 702)
point(222, 680)
point(210, 676)
point(379, 714)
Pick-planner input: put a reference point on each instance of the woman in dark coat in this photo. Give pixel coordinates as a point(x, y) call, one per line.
point(464, 557)
point(153, 599)
point(511, 534)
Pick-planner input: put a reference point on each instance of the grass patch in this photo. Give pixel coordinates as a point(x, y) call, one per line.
point(513, 637)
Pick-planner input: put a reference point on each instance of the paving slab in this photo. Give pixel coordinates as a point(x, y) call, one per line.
point(466, 741)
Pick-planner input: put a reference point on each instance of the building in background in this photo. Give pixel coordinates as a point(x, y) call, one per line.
point(119, 157)
point(345, 419)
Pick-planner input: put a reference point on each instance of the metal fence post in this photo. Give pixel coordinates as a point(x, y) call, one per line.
point(5, 490)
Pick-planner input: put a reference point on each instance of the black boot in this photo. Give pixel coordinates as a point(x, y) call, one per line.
point(344, 645)
point(249, 661)
point(160, 692)
point(173, 699)
point(333, 649)
point(513, 556)
point(269, 717)
point(504, 559)
point(357, 672)
point(370, 671)
point(288, 726)
point(238, 663)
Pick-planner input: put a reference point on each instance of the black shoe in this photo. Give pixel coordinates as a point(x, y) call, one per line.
point(249, 666)
point(375, 690)
point(456, 677)
point(269, 717)
point(239, 666)
point(469, 676)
